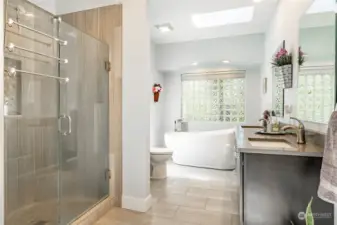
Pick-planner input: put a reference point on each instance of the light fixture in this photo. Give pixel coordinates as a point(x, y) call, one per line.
point(164, 28)
point(321, 6)
point(221, 18)
point(195, 63)
point(257, 1)
point(226, 61)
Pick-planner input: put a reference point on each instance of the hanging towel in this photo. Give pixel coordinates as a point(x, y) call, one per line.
point(327, 189)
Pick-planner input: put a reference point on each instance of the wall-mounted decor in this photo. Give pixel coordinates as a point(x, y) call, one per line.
point(282, 59)
point(156, 89)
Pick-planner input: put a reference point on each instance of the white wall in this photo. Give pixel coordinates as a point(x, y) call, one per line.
point(318, 43)
point(157, 109)
point(284, 26)
point(240, 50)
point(173, 96)
point(137, 83)
point(244, 52)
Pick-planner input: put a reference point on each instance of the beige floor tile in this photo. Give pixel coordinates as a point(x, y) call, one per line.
point(235, 220)
point(184, 200)
point(165, 191)
point(165, 221)
point(190, 196)
point(219, 194)
point(190, 215)
point(197, 192)
point(120, 216)
point(222, 206)
point(163, 210)
point(209, 193)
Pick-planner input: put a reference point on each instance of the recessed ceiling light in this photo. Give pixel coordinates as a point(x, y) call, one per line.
point(226, 61)
point(220, 18)
point(164, 28)
point(195, 64)
point(257, 1)
point(321, 6)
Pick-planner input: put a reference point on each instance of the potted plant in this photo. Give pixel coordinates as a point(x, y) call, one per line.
point(156, 89)
point(301, 56)
point(309, 218)
point(283, 60)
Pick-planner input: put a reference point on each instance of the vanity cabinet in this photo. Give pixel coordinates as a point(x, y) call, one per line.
point(277, 188)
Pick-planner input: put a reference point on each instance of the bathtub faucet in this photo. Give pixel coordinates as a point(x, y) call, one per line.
point(180, 126)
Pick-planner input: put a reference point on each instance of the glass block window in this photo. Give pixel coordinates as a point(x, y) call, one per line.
point(214, 97)
point(278, 98)
point(316, 93)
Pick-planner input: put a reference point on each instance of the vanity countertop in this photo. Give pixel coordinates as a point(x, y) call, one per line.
point(310, 149)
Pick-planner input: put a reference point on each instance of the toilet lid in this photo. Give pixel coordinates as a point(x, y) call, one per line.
point(162, 151)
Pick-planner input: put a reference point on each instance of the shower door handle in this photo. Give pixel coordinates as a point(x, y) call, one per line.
point(68, 131)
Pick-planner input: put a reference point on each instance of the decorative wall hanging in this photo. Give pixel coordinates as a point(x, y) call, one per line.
point(283, 60)
point(156, 89)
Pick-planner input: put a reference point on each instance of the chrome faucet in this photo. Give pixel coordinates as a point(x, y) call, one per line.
point(300, 130)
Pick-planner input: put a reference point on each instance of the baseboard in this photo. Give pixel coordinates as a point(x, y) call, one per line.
point(95, 213)
point(137, 204)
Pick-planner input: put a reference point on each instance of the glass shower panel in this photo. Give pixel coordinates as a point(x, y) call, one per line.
point(84, 153)
point(31, 119)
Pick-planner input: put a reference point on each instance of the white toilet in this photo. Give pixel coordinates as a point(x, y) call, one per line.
point(159, 157)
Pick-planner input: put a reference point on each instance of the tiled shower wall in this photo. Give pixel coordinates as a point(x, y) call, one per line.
point(32, 161)
point(31, 130)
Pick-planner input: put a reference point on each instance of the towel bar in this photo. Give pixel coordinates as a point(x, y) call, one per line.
point(10, 23)
point(11, 71)
point(11, 48)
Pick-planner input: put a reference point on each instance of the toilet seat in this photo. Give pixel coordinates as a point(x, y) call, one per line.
point(160, 151)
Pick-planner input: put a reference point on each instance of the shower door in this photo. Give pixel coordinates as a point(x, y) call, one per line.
point(56, 132)
point(84, 179)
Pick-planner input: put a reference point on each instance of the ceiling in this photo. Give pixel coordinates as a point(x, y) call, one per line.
point(59, 7)
point(179, 12)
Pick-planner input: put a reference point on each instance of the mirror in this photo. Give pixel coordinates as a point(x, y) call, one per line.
point(316, 76)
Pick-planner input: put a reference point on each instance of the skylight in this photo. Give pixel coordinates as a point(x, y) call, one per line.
point(221, 18)
point(321, 6)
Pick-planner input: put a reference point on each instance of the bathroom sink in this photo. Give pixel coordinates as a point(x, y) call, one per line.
point(271, 133)
point(270, 143)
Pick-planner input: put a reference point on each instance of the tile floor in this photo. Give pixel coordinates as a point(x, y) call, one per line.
point(189, 196)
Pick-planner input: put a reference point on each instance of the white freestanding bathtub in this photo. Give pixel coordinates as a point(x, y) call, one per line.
point(208, 149)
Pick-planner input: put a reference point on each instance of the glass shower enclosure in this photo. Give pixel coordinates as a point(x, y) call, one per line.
point(56, 118)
